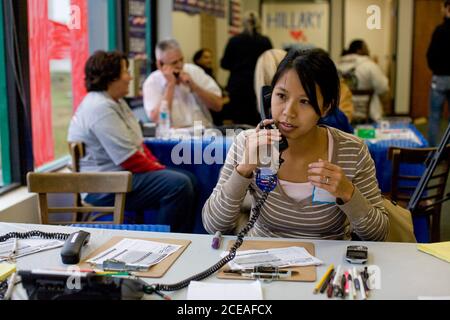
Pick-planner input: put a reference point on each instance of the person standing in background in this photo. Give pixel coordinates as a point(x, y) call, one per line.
point(438, 57)
point(357, 63)
point(241, 54)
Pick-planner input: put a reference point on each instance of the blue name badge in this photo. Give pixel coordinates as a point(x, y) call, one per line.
point(321, 196)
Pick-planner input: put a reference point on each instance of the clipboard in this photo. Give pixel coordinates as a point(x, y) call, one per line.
point(156, 271)
point(304, 274)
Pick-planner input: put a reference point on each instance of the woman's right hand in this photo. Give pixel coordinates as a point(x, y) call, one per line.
point(253, 142)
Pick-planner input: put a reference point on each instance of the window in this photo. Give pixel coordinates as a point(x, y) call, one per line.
point(5, 171)
point(58, 40)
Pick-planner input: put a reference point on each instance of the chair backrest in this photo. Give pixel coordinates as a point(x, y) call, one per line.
point(77, 150)
point(118, 183)
point(361, 102)
point(404, 183)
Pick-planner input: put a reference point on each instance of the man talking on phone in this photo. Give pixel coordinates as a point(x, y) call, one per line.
point(188, 90)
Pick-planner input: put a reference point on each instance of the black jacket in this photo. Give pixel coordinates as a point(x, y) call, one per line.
point(439, 51)
point(240, 57)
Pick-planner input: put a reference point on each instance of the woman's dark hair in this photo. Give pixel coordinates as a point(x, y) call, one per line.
point(199, 54)
point(314, 67)
point(102, 68)
point(354, 47)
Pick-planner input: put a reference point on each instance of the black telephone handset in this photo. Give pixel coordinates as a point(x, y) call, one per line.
point(284, 145)
point(265, 109)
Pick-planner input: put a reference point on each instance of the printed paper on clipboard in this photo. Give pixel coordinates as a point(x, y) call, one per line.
point(135, 254)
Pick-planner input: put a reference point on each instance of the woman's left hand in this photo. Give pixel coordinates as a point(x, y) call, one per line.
point(329, 177)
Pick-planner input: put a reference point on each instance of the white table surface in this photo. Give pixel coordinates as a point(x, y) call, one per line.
point(406, 273)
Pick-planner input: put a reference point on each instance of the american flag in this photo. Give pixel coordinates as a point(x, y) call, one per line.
point(235, 17)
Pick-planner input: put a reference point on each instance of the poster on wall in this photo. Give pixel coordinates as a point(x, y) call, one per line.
point(301, 25)
point(137, 43)
point(212, 7)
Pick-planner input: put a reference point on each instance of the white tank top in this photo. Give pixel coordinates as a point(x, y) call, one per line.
point(302, 191)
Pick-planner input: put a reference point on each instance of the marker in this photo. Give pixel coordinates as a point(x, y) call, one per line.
point(324, 278)
point(361, 287)
point(217, 240)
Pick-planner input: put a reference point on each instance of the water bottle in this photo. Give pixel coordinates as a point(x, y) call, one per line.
point(164, 120)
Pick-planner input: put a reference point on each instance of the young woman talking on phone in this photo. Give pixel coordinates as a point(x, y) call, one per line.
point(327, 187)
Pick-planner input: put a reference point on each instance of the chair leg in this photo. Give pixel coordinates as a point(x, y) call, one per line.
point(436, 226)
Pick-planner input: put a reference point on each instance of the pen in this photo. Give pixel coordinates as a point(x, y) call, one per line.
point(330, 290)
point(347, 283)
point(364, 282)
point(11, 284)
point(324, 278)
point(258, 270)
point(363, 292)
point(336, 276)
point(351, 287)
point(266, 275)
point(162, 295)
point(327, 282)
point(217, 240)
point(342, 288)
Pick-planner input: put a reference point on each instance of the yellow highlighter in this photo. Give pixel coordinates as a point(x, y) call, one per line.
point(6, 269)
point(324, 278)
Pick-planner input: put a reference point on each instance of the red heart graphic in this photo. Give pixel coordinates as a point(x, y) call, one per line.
point(297, 35)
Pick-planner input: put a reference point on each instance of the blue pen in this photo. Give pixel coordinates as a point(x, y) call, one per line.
point(217, 240)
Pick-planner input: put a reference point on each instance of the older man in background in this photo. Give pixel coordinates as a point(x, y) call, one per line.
point(188, 90)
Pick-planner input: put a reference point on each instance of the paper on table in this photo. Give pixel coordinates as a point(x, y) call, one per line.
point(229, 291)
point(439, 250)
point(395, 134)
point(279, 257)
point(26, 247)
point(136, 253)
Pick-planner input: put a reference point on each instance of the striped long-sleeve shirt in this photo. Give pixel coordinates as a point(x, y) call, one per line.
point(283, 217)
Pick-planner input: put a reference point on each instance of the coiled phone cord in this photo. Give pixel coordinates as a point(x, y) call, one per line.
point(256, 212)
point(34, 234)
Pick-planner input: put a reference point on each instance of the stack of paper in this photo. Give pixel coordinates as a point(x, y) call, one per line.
point(231, 291)
point(279, 257)
point(136, 254)
point(439, 250)
point(26, 247)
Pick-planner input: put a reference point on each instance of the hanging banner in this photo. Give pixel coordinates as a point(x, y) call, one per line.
point(302, 25)
point(235, 17)
point(212, 7)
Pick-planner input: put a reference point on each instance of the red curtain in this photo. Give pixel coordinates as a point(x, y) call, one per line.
point(79, 51)
point(52, 40)
point(41, 109)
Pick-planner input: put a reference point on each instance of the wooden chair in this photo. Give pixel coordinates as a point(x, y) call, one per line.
point(118, 183)
point(77, 150)
point(361, 102)
point(403, 185)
